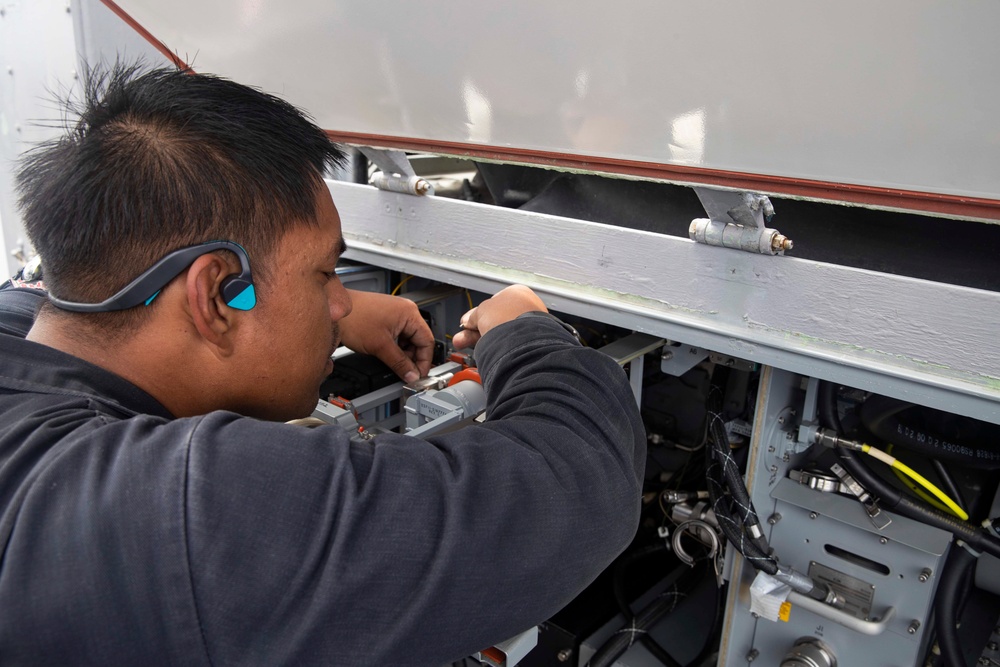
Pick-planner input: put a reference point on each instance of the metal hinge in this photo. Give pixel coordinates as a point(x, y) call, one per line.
point(737, 220)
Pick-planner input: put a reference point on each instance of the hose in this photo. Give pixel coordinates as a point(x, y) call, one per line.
point(641, 623)
point(618, 586)
point(892, 499)
point(947, 601)
point(879, 414)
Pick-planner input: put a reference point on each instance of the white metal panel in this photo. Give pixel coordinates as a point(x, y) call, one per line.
point(37, 61)
point(927, 342)
point(896, 94)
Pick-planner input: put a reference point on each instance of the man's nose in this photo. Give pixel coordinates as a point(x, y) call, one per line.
point(340, 302)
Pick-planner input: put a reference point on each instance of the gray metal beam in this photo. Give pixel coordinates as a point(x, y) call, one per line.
point(926, 342)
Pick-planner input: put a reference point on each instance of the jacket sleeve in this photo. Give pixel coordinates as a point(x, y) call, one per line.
point(307, 548)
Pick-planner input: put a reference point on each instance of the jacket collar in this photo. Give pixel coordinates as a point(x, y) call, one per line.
point(32, 367)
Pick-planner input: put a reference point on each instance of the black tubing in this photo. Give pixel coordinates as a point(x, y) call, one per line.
point(648, 616)
point(621, 567)
point(948, 483)
point(947, 600)
point(879, 414)
point(723, 474)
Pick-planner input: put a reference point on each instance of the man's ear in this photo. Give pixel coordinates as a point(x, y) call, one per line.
point(212, 318)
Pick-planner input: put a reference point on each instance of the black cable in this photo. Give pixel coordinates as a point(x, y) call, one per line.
point(880, 415)
point(618, 585)
point(737, 523)
point(621, 640)
point(949, 484)
point(893, 500)
point(946, 604)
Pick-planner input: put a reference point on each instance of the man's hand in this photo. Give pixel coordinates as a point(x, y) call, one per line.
point(390, 328)
point(504, 306)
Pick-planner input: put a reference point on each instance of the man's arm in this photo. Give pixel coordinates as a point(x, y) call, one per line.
point(407, 552)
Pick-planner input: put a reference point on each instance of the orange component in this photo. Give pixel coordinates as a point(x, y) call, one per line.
point(466, 374)
point(494, 656)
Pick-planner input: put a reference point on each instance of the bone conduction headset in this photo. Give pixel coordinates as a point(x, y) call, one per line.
point(237, 291)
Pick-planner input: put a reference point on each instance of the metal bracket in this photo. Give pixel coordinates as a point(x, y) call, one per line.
point(737, 220)
point(679, 359)
point(396, 173)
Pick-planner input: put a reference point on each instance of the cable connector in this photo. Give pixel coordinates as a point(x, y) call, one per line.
point(830, 439)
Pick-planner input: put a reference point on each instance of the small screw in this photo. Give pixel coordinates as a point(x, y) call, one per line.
point(883, 540)
point(813, 515)
point(564, 655)
point(752, 655)
point(730, 362)
point(774, 518)
point(992, 646)
point(770, 448)
point(667, 354)
point(786, 457)
point(755, 614)
point(913, 627)
point(781, 420)
point(925, 574)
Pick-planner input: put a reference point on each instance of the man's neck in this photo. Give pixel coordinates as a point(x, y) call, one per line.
point(136, 358)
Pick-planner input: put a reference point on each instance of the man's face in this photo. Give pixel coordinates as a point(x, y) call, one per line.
point(284, 351)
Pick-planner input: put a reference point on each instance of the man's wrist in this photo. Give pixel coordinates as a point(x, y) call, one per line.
point(568, 327)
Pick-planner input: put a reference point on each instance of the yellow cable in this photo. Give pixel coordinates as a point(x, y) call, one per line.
point(468, 295)
point(401, 283)
point(916, 477)
point(917, 491)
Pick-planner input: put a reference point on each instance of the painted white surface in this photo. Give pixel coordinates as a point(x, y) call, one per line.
point(37, 61)
point(899, 336)
point(899, 93)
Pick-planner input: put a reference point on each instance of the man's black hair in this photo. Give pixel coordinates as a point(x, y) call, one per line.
point(161, 159)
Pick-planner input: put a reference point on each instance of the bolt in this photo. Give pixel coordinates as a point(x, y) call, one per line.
point(774, 518)
point(781, 420)
point(786, 457)
point(667, 354)
point(752, 655)
point(883, 540)
point(780, 242)
point(755, 614)
point(993, 646)
point(813, 515)
point(564, 655)
point(984, 661)
point(913, 627)
point(770, 449)
point(773, 468)
point(925, 574)
point(730, 362)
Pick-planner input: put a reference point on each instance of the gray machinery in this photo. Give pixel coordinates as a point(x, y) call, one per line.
point(789, 236)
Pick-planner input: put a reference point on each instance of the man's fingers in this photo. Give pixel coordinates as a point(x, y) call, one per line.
point(465, 338)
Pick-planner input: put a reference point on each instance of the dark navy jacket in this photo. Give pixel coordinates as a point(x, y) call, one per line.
point(129, 537)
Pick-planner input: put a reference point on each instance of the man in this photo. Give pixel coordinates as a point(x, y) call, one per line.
point(154, 509)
